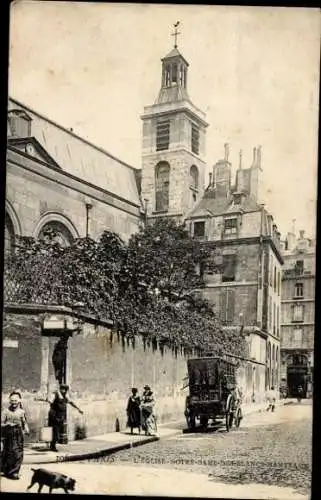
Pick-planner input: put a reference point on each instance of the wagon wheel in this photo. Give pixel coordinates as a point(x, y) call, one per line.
point(228, 420)
point(229, 414)
point(190, 419)
point(238, 418)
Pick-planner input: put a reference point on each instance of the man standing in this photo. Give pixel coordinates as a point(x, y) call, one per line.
point(58, 414)
point(271, 397)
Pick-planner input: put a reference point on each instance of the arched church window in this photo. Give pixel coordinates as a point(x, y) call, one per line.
point(174, 74)
point(167, 75)
point(194, 177)
point(162, 135)
point(9, 235)
point(185, 77)
point(181, 75)
point(56, 231)
point(162, 186)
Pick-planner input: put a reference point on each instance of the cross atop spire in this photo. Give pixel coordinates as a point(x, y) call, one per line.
point(175, 34)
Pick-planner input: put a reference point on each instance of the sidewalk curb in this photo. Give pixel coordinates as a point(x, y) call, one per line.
point(33, 459)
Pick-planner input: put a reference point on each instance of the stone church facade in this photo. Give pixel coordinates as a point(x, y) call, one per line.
point(57, 179)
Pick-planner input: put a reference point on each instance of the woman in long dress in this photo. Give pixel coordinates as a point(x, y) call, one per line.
point(133, 411)
point(13, 427)
point(148, 417)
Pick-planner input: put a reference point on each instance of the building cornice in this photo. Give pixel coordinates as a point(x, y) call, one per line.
point(38, 167)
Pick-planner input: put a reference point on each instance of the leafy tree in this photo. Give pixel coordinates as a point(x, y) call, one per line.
point(147, 287)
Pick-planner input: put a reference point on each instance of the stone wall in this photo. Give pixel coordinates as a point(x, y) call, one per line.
point(101, 373)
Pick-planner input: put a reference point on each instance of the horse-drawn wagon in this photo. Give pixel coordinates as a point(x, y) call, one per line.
point(213, 394)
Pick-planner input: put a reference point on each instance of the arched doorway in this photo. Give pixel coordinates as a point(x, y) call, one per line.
point(297, 373)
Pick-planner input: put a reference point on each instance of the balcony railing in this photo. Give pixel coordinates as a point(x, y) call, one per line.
point(295, 272)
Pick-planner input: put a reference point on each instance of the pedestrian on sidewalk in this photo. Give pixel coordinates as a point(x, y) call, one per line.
point(271, 398)
point(148, 416)
point(13, 427)
point(58, 414)
point(134, 411)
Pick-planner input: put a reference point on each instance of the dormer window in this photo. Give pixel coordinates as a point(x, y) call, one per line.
point(237, 199)
point(19, 123)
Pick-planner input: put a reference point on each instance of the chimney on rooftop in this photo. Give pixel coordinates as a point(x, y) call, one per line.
point(240, 161)
point(302, 234)
point(226, 151)
point(254, 157)
point(259, 156)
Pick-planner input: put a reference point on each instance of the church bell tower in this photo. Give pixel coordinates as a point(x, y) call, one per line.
point(173, 165)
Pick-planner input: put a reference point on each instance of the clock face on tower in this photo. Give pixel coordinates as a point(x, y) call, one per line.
point(30, 149)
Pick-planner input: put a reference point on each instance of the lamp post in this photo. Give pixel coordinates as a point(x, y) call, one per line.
point(88, 208)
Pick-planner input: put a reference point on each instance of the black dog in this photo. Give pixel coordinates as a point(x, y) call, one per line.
point(52, 479)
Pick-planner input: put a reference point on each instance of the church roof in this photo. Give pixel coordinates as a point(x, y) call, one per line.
point(222, 205)
point(81, 158)
point(172, 94)
point(175, 53)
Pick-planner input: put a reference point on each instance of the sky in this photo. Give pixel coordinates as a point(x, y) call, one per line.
point(253, 70)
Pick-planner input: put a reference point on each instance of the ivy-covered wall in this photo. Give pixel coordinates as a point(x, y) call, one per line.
point(101, 369)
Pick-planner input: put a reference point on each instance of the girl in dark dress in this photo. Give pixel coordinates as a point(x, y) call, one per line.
point(13, 427)
point(133, 411)
point(148, 417)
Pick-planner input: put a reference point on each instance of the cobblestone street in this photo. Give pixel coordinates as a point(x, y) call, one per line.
point(269, 457)
point(272, 449)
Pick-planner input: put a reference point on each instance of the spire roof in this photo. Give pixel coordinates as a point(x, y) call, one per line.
point(175, 53)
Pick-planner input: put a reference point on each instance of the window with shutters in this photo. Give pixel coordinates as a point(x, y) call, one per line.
point(270, 313)
point(195, 139)
point(230, 226)
point(274, 318)
point(214, 264)
point(162, 135)
point(162, 186)
point(227, 305)
point(270, 274)
point(299, 266)
point(228, 268)
point(298, 312)
point(274, 279)
point(199, 229)
point(299, 290)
